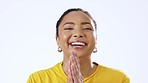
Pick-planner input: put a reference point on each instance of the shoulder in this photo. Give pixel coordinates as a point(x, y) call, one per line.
point(45, 74)
point(112, 74)
point(47, 71)
point(111, 71)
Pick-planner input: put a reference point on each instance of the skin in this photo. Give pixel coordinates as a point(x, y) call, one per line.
point(77, 26)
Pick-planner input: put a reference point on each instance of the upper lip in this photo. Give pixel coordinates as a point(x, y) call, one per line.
point(77, 41)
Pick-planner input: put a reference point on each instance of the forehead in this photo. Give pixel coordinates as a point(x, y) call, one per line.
point(76, 16)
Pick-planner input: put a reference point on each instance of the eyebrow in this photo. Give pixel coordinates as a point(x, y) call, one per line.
point(83, 23)
point(69, 23)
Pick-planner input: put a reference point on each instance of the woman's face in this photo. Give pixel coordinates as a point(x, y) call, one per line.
point(77, 33)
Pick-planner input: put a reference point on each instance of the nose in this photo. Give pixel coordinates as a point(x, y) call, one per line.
point(78, 33)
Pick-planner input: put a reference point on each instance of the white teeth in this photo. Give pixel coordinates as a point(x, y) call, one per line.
point(77, 44)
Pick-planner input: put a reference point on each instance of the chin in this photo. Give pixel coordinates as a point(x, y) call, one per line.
point(83, 54)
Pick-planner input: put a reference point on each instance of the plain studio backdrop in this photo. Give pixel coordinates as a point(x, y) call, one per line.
point(27, 36)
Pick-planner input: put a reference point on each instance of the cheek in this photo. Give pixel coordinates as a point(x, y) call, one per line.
point(64, 37)
point(91, 38)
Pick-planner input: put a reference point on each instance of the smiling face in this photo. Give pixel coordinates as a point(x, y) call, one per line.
point(76, 32)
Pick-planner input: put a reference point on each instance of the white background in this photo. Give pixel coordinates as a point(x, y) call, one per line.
point(27, 36)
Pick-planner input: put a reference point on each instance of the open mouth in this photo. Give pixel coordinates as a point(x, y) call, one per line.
point(78, 44)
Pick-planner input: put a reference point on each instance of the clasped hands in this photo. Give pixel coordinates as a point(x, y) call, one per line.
point(73, 70)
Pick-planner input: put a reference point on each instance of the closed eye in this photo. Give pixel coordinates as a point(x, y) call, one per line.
point(68, 28)
point(88, 29)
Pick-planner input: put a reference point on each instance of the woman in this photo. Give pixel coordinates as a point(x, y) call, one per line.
point(76, 37)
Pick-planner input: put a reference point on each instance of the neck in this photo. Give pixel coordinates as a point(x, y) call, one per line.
point(86, 67)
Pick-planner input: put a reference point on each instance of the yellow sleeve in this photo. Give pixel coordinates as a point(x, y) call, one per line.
point(30, 79)
point(126, 79)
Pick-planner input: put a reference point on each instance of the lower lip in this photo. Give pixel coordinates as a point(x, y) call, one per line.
point(78, 47)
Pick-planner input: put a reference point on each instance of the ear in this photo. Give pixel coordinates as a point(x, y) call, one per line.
point(58, 40)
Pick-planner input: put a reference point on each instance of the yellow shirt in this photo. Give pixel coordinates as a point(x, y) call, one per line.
point(57, 75)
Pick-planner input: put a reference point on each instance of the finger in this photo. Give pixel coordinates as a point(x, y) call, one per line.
point(76, 74)
point(75, 69)
point(69, 74)
point(76, 60)
point(76, 57)
point(76, 65)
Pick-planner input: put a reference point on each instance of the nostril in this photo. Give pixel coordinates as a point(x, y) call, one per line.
point(77, 36)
